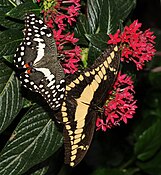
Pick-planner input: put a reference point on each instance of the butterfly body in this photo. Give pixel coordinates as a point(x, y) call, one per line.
point(37, 58)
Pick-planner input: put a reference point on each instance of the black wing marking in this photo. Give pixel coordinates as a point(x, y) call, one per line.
point(37, 58)
point(85, 91)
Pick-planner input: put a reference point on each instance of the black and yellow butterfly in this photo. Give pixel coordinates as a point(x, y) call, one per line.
point(85, 93)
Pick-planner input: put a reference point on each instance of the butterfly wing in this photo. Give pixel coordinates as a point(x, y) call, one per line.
point(85, 92)
point(37, 57)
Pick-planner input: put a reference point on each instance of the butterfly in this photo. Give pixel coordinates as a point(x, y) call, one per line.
point(85, 94)
point(36, 57)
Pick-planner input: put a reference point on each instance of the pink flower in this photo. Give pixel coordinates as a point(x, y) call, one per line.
point(137, 46)
point(120, 106)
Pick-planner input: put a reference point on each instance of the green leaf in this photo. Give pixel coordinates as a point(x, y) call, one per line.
point(4, 3)
point(93, 53)
point(10, 97)
point(81, 29)
point(8, 22)
point(93, 12)
point(19, 11)
point(98, 40)
point(41, 171)
point(9, 39)
point(125, 7)
point(109, 19)
point(104, 171)
point(105, 15)
point(152, 166)
point(149, 142)
point(35, 139)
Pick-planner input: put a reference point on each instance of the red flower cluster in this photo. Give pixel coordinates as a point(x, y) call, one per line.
point(121, 104)
point(136, 45)
point(59, 17)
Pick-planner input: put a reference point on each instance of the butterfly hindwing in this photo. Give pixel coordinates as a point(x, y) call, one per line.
point(86, 91)
point(37, 58)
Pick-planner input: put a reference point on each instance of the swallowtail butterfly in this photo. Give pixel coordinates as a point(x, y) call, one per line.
point(85, 93)
point(37, 58)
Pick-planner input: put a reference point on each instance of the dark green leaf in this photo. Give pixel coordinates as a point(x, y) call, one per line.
point(9, 39)
point(35, 139)
point(98, 40)
point(10, 97)
point(93, 12)
point(94, 52)
point(149, 142)
point(19, 11)
point(104, 171)
point(154, 77)
point(81, 29)
point(109, 20)
point(4, 3)
point(8, 22)
point(42, 171)
point(152, 166)
point(105, 15)
point(125, 7)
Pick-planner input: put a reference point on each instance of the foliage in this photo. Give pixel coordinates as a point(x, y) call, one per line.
point(31, 141)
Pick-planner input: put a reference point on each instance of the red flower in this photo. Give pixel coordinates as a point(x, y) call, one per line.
point(72, 59)
point(114, 39)
point(136, 46)
point(121, 104)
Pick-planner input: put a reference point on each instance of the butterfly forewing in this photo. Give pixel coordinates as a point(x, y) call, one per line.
point(37, 57)
point(85, 92)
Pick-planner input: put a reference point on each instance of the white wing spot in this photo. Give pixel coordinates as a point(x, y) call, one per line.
point(22, 48)
point(58, 105)
point(42, 33)
point(49, 35)
point(35, 27)
point(62, 81)
point(48, 95)
point(32, 15)
point(35, 87)
point(37, 35)
point(53, 91)
point(22, 53)
point(41, 86)
point(58, 86)
point(54, 94)
point(36, 31)
point(46, 92)
point(54, 99)
point(26, 80)
point(22, 63)
point(31, 83)
point(40, 21)
point(52, 87)
point(28, 43)
point(29, 34)
point(19, 59)
point(62, 96)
